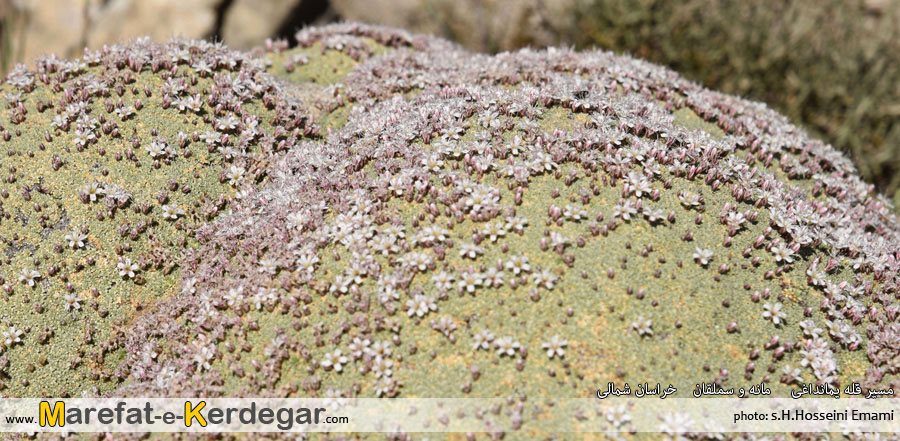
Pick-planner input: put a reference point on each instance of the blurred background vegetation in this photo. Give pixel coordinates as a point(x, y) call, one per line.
point(830, 65)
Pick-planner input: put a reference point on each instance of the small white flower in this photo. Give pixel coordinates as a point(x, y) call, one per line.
point(518, 264)
point(358, 347)
point(794, 375)
point(379, 350)
point(783, 253)
point(382, 368)
point(172, 212)
point(94, 190)
point(516, 223)
point(469, 280)
point(625, 210)
point(558, 240)
point(544, 279)
point(235, 175)
point(555, 346)
point(774, 312)
point(307, 263)
point(574, 213)
point(29, 277)
point(203, 357)
point(72, 302)
point(234, 296)
point(506, 346)
point(443, 280)
point(494, 231)
point(493, 278)
point(703, 255)
point(420, 305)
point(642, 326)
point(76, 239)
point(470, 250)
point(126, 268)
point(417, 260)
point(268, 265)
point(157, 149)
point(809, 328)
point(482, 340)
point(689, 199)
point(12, 336)
point(334, 360)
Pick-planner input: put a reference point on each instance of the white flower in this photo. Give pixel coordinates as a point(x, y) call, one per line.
point(735, 219)
point(618, 415)
point(469, 280)
point(307, 262)
point(382, 368)
point(470, 250)
point(544, 278)
point(265, 296)
point(127, 268)
point(782, 252)
point(234, 295)
point(689, 199)
point(642, 326)
point(431, 234)
point(94, 190)
point(209, 137)
point(625, 210)
point(793, 374)
point(809, 328)
point(385, 387)
point(334, 360)
point(227, 123)
point(12, 336)
point(676, 425)
point(445, 326)
point(433, 162)
point(638, 184)
point(574, 213)
point(235, 175)
point(379, 350)
point(202, 67)
point(420, 305)
point(558, 240)
point(171, 212)
point(157, 149)
point(493, 277)
point(76, 239)
point(358, 347)
point(703, 255)
point(518, 264)
point(506, 346)
point(774, 313)
point(482, 340)
point(189, 287)
point(555, 346)
point(29, 277)
point(653, 215)
point(516, 223)
point(443, 280)
point(416, 260)
point(203, 357)
point(72, 302)
point(494, 231)
point(268, 265)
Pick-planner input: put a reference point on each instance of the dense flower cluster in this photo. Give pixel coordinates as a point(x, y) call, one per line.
point(475, 210)
point(107, 180)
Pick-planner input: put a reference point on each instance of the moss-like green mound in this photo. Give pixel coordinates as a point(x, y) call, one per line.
point(527, 224)
point(110, 163)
